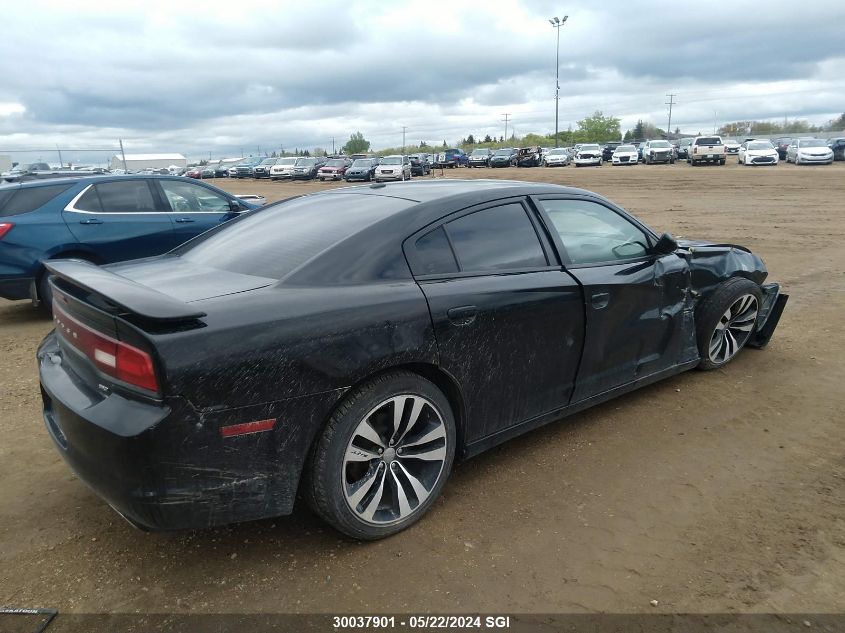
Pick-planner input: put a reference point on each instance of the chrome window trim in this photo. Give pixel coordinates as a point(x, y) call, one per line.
point(71, 208)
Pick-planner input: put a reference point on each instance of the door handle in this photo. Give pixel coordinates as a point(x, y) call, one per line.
point(599, 300)
point(462, 315)
point(183, 220)
point(91, 221)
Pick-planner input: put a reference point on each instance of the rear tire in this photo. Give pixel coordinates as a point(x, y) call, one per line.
point(364, 478)
point(726, 321)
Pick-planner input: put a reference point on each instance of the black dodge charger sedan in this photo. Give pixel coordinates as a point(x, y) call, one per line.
point(349, 345)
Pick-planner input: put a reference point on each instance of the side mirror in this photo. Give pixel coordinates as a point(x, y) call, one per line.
point(235, 207)
point(666, 244)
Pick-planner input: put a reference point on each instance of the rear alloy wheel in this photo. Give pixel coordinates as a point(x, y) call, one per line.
point(726, 321)
point(384, 457)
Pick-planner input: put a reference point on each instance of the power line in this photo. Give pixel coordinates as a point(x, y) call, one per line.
point(507, 116)
point(670, 103)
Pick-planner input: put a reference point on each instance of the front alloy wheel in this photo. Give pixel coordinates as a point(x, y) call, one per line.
point(733, 329)
point(726, 320)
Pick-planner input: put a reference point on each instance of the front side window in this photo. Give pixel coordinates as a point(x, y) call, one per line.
point(592, 233)
point(125, 196)
point(186, 196)
point(498, 238)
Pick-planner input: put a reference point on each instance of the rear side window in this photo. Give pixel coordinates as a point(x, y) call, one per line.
point(499, 238)
point(276, 240)
point(126, 196)
point(708, 140)
point(434, 254)
point(28, 199)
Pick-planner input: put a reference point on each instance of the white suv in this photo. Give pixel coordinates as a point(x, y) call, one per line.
point(283, 168)
point(393, 168)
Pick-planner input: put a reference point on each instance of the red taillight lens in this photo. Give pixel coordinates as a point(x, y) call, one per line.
point(114, 358)
point(695, 150)
point(5, 227)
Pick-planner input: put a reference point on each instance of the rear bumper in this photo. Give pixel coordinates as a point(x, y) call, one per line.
point(16, 288)
point(166, 466)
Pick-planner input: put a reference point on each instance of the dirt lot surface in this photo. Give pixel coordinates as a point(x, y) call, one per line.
point(719, 491)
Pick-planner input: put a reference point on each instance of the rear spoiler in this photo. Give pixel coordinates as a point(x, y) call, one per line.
point(122, 292)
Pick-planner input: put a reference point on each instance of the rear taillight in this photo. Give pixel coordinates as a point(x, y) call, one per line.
point(5, 227)
point(695, 150)
point(114, 358)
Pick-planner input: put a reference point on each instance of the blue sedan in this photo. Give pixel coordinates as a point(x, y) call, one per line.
point(101, 219)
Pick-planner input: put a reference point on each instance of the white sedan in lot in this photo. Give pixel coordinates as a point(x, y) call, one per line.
point(625, 155)
point(757, 153)
point(588, 154)
point(393, 168)
point(804, 151)
point(557, 157)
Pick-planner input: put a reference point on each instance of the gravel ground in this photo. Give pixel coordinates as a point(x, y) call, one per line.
point(719, 491)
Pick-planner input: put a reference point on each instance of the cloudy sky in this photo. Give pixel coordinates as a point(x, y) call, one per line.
point(215, 78)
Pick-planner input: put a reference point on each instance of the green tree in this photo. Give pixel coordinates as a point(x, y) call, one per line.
point(487, 139)
point(470, 140)
point(837, 124)
point(598, 128)
point(356, 144)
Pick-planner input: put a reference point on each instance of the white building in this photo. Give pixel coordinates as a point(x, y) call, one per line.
point(137, 162)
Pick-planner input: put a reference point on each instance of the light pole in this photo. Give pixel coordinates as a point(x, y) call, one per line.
point(557, 23)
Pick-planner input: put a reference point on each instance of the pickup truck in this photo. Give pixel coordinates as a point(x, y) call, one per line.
point(706, 149)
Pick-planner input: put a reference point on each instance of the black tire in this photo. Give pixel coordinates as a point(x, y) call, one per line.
point(710, 314)
point(722, 161)
point(324, 487)
point(45, 295)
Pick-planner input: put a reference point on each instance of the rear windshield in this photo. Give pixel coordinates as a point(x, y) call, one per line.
point(15, 201)
point(392, 160)
point(276, 240)
point(708, 140)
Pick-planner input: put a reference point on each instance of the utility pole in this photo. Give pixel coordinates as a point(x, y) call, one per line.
point(333, 150)
point(507, 116)
point(123, 155)
point(403, 139)
point(670, 103)
point(557, 23)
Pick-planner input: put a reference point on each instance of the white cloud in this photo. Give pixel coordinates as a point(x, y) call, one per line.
point(169, 77)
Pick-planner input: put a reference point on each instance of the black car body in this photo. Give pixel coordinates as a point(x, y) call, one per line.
point(838, 147)
point(362, 169)
point(480, 157)
point(419, 165)
point(245, 168)
point(528, 157)
point(608, 149)
point(307, 168)
point(189, 390)
point(683, 147)
point(505, 157)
